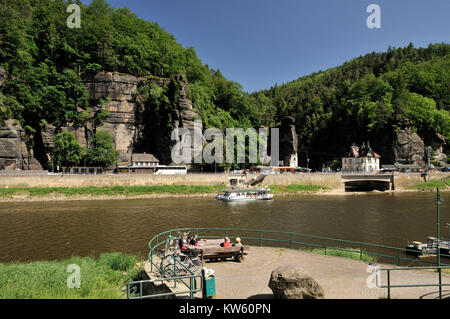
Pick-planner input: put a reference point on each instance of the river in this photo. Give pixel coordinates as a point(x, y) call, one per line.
point(56, 230)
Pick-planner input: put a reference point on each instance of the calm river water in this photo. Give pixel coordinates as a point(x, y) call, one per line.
point(55, 230)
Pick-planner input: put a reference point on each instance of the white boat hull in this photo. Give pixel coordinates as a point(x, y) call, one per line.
point(245, 196)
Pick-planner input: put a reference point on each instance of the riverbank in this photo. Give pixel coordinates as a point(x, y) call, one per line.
point(102, 278)
point(92, 193)
point(340, 275)
point(135, 192)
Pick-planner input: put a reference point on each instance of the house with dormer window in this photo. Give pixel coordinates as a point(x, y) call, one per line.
point(361, 159)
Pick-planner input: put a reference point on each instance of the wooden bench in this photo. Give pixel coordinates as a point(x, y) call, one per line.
point(213, 253)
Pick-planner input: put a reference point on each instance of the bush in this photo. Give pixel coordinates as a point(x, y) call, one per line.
point(117, 261)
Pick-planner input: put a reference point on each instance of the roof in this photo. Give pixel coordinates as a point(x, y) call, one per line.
point(143, 157)
point(354, 151)
point(246, 190)
point(362, 151)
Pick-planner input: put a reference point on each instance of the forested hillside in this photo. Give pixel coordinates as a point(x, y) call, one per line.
point(47, 65)
point(367, 98)
point(46, 62)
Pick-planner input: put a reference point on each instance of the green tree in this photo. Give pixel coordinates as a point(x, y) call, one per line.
point(67, 152)
point(102, 152)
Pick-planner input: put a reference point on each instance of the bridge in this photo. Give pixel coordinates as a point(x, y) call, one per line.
point(367, 181)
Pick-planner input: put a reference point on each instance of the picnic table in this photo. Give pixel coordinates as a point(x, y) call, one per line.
point(211, 250)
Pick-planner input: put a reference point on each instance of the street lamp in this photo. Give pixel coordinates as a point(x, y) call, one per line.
point(439, 200)
point(307, 157)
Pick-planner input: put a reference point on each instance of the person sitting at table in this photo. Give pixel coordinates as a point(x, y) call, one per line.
point(194, 240)
point(183, 242)
point(237, 242)
point(226, 243)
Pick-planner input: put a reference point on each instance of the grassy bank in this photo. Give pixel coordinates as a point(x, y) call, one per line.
point(102, 278)
point(132, 191)
point(111, 190)
point(345, 253)
point(296, 188)
point(432, 185)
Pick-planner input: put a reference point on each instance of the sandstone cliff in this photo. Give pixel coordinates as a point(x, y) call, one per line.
point(126, 123)
point(135, 130)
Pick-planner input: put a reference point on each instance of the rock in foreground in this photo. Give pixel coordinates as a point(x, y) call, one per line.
point(292, 282)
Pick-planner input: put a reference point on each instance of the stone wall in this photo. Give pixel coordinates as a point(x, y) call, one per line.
point(333, 181)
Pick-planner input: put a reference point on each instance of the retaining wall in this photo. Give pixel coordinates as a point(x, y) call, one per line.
point(331, 180)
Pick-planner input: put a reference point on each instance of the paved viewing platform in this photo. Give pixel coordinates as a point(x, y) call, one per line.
point(341, 278)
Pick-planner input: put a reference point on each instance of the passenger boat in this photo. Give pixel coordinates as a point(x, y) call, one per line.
point(416, 248)
point(239, 195)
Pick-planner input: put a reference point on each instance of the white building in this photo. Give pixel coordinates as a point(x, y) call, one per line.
point(146, 160)
point(361, 159)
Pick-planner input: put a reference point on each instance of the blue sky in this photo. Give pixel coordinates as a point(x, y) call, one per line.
point(262, 42)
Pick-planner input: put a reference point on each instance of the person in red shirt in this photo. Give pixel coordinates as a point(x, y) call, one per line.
point(194, 241)
point(226, 243)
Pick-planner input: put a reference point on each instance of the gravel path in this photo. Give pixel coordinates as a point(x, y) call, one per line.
point(340, 277)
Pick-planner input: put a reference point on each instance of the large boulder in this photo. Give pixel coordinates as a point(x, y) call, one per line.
point(292, 282)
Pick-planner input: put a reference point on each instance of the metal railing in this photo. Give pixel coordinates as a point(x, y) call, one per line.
point(135, 289)
point(390, 286)
point(388, 254)
point(326, 245)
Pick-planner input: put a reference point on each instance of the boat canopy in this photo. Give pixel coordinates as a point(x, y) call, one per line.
point(260, 191)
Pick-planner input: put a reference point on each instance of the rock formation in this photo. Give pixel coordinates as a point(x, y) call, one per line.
point(14, 153)
point(133, 132)
point(292, 282)
point(438, 144)
point(288, 142)
point(10, 146)
point(408, 147)
point(124, 122)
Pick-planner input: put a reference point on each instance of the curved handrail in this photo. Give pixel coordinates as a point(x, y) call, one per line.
point(154, 243)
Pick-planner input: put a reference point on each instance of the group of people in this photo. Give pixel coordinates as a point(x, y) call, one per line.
point(227, 243)
point(187, 240)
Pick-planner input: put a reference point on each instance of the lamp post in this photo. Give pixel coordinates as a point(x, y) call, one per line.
point(307, 157)
point(439, 200)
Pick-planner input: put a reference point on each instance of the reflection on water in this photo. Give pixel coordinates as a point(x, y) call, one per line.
point(55, 230)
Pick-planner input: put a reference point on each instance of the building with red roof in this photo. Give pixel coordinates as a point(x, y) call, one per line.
point(361, 159)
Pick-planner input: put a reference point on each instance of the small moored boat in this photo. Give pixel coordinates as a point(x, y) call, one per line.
point(416, 248)
point(237, 195)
